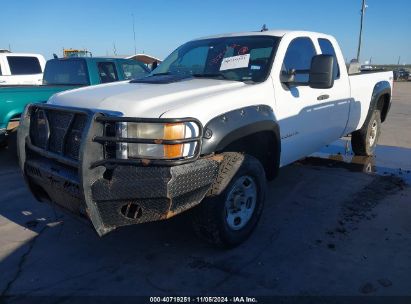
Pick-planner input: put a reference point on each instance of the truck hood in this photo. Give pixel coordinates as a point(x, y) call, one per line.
point(187, 98)
point(143, 99)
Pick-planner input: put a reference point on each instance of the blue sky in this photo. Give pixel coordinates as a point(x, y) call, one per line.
point(47, 26)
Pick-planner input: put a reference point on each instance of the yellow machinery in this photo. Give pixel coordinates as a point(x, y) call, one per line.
point(76, 53)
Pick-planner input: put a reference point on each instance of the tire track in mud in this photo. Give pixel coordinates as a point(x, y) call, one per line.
point(360, 207)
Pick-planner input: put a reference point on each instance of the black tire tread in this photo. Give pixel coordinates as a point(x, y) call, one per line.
point(359, 138)
point(204, 219)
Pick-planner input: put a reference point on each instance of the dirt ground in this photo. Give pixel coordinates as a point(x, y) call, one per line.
point(328, 228)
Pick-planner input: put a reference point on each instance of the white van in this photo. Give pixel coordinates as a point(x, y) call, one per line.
point(21, 68)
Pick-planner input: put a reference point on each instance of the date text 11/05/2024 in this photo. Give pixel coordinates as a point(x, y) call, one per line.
point(203, 300)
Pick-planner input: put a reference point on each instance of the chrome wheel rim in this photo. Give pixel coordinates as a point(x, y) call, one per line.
point(240, 203)
point(373, 133)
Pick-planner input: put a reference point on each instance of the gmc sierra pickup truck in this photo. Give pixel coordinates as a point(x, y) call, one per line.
point(203, 131)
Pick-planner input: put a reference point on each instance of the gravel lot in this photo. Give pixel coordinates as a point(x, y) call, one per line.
point(327, 229)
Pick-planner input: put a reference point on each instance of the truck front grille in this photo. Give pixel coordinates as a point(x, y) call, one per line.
point(57, 131)
point(73, 141)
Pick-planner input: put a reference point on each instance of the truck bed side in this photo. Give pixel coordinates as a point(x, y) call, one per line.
point(363, 87)
point(13, 99)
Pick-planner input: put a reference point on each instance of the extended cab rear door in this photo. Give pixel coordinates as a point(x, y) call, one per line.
point(308, 118)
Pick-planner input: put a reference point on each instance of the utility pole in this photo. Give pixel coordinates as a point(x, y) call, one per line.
point(363, 7)
point(399, 59)
point(134, 33)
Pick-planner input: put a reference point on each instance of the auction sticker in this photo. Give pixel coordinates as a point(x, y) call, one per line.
point(235, 62)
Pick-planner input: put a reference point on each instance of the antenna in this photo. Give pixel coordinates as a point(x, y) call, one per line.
point(363, 7)
point(134, 34)
point(114, 49)
point(264, 28)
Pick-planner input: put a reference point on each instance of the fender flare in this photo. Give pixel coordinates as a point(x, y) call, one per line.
point(229, 127)
point(381, 88)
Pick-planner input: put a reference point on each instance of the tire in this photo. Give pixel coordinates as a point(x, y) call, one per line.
point(4, 141)
point(227, 219)
point(364, 141)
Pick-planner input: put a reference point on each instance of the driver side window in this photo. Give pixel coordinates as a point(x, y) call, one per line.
point(298, 57)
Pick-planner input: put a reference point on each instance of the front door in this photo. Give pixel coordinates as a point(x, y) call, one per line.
point(308, 118)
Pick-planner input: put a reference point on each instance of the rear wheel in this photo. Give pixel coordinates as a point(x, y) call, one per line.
point(226, 220)
point(364, 141)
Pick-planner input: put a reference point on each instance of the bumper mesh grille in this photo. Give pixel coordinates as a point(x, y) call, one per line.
point(73, 140)
point(59, 123)
point(57, 131)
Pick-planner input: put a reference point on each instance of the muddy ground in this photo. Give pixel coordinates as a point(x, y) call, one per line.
point(328, 228)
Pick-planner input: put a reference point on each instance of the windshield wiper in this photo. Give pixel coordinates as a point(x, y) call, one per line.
point(159, 74)
point(211, 75)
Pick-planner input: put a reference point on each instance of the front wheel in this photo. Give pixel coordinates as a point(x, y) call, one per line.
point(364, 141)
point(226, 220)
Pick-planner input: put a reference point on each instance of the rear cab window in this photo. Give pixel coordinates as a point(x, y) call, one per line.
point(328, 49)
point(24, 65)
point(133, 70)
point(66, 72)
point(107, 72)
point(298, 58)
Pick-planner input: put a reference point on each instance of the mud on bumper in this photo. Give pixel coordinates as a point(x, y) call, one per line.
point(109, 195)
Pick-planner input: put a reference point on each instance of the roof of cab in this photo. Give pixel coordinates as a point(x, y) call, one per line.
point(11, 54)
point(276, 33)
point(93, 58)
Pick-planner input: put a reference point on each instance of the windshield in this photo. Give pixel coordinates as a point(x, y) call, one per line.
point(66, 72)
point(244, 58)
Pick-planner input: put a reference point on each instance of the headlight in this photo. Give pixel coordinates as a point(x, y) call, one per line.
point(155, 131)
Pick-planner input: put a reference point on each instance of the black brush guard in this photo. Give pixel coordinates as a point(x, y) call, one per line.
point(63, 153)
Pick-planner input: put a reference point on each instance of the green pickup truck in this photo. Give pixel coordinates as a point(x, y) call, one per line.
point(60, 75)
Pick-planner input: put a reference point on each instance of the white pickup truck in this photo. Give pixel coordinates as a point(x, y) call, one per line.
point(21, 68)
point(203, 131)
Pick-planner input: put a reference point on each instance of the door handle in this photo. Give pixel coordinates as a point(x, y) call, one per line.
point(323, 97)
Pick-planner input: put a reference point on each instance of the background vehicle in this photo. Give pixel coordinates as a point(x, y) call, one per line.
point(401, 74)
point(205, 129)
point(60, 75)
point(21, 68)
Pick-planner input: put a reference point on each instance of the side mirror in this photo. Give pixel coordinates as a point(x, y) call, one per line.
point(321, 72)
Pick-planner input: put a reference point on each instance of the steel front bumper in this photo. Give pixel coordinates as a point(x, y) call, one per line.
point(115, 195)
